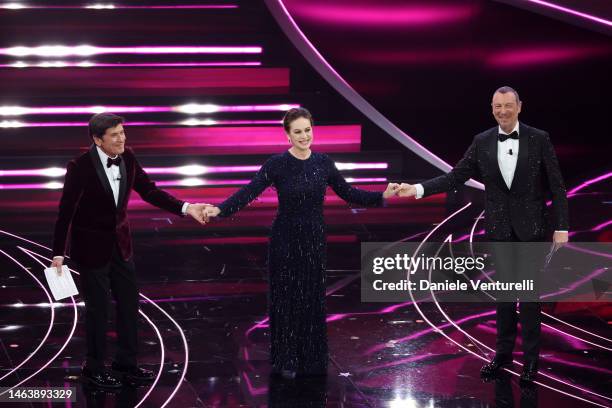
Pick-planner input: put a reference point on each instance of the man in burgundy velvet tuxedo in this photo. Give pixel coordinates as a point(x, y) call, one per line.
point(93, 208)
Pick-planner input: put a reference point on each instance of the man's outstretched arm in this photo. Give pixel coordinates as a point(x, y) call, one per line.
point(465, 169)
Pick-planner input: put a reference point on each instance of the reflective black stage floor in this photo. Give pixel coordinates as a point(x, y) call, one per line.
point(203, 330)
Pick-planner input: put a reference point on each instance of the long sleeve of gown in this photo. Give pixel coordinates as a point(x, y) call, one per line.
point(248, 193)
point(349, 193)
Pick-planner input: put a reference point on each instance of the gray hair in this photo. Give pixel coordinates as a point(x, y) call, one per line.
point(507, 89)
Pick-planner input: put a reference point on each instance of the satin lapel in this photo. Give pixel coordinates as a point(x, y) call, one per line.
point(493, 163)
point(522, 163)
point(97, 163)
point(122, 183)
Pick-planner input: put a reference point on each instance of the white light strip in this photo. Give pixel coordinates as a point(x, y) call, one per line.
point(86, 50)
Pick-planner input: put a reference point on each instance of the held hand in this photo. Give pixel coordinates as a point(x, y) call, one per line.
point(560, 239)
point(392, 189)
point(212, 211)
point(197, 212)
point(57, 264)
point(407, 190)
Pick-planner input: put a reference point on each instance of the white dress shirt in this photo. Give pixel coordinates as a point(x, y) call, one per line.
point(507, 155)
point(112, 173)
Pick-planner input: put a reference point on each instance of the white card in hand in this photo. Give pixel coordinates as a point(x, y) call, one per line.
point(62, 286)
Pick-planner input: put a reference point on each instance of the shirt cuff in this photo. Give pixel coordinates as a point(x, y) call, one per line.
point(560, 231)
point(184, 209)
point(419, 191)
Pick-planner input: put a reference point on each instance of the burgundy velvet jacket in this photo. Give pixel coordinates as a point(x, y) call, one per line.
point(87, 209)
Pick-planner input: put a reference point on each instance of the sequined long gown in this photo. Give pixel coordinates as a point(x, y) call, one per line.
point(297, 254)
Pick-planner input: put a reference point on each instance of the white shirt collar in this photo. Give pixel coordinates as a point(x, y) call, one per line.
point(103, 156)
point(516, 129)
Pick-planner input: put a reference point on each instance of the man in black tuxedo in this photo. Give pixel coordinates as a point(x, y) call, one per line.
point(518, 166)
point(93, 208)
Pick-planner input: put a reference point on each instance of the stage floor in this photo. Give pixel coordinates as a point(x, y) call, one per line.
point(203, 330)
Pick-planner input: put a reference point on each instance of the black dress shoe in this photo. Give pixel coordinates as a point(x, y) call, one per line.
point(101, 378)
point(133, 373)
point(491, 368)
point(530, 372)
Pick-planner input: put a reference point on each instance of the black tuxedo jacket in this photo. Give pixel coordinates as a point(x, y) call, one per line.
point(520, 208)
point(87, 208)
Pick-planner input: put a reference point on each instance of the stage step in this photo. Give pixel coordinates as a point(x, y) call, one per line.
point(143, 81)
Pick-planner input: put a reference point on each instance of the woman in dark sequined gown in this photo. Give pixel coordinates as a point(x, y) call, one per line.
point(297, 250)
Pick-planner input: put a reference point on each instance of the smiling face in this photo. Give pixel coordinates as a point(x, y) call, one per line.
point(506, 109)
point(300, 134)
point(112, 141)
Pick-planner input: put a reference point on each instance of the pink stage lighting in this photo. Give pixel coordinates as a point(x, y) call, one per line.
point(187, 82)
point(87, 50)
point(186, 182)
point(567, 10)
point(237, 140)
point(514, 58)
point(191, 108)
point(111, 6)
point(90, 64)
point(391, 16)
point(197, 170)
point(189, 170)
point(7, 124)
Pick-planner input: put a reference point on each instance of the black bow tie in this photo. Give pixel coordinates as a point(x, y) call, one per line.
point(502, 138)
point(115, 161)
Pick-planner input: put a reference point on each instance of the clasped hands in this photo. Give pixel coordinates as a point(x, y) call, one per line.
point(202, 212)
point(400, 190)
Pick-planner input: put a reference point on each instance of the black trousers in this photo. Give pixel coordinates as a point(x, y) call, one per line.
point(118, 278)
point(512, 264)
